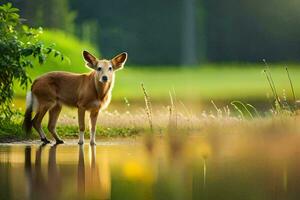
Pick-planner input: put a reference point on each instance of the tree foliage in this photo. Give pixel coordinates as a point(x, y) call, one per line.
point(53, 14)
point(19, 45)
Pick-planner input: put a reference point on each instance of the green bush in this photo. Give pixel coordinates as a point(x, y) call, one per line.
point(19, 45)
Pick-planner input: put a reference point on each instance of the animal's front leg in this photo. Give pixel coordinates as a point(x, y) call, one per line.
point(93, 117)
point(81, 114)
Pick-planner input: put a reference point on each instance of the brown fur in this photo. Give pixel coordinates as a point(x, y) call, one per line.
point(85, 91)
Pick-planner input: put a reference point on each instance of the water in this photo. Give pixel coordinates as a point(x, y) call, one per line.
point(214, 167)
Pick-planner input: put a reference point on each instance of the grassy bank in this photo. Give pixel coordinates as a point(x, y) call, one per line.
point(165, 120)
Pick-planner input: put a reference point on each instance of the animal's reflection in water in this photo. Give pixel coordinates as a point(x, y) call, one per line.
point(54, 183)
point(94, 178)
point(38, 186)
point(81, 172)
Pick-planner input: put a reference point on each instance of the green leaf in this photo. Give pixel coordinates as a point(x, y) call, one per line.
point(27, 52)
point(41, 59)
point(13, 10)
point(49, 50)
point(57, 53)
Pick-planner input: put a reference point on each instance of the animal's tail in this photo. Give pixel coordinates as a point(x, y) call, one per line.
point(27, 123)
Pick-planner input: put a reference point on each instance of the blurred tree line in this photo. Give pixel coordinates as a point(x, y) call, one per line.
point(177, 31)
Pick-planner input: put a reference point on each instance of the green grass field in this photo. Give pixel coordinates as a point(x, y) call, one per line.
point(208, 82)
point(205, 82)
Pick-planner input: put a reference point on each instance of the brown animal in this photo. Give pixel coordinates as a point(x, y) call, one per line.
point(88, 92)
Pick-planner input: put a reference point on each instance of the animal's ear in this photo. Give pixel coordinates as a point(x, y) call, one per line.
point(91, 61)
point(119, 61)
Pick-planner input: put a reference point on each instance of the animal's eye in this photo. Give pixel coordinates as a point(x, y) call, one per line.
point(99, 69)
point(110, 68)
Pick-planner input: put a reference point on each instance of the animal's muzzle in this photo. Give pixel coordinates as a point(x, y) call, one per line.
point(104, 78)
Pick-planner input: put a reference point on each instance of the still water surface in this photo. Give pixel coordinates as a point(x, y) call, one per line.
point(202, 168)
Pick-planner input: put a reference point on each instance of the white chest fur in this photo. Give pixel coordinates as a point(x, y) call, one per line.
point(104, 102)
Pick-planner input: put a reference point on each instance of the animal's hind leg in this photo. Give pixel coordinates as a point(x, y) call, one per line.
point(37, 122)
point(53, 117)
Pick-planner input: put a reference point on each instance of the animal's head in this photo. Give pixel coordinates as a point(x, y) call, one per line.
point(105, 68)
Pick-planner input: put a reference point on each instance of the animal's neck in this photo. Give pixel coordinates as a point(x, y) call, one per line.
point(102, 89)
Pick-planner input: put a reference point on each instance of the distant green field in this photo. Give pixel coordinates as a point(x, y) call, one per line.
point(206, 82)
point(201, 83)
